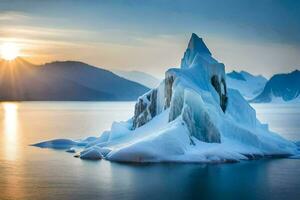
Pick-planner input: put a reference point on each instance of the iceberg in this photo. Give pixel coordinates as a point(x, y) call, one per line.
point(190, 117)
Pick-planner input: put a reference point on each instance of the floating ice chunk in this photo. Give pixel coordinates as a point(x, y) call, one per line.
point(65, 143)
point(57, 144)
point(71, 150)
point(92, 153)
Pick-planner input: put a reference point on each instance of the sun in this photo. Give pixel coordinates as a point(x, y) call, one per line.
point(9, 51)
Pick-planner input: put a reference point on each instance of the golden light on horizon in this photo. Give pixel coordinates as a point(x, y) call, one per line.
point(10, 50)
point(10, 129)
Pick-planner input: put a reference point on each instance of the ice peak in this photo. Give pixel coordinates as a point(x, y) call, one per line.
point(196, 50)
point(196, 44)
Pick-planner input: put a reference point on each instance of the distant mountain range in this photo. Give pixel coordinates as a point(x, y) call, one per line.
point(281, 88)
point(139, 77)
point(254, 88)
point(247, 84)
point(78, 81)
point(63, 81)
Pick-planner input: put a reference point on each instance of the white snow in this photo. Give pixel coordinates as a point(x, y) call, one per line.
point(194, 128)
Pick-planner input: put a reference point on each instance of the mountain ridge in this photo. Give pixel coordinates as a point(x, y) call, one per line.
point(247, 84)
point(284, 86)
point(63, 81)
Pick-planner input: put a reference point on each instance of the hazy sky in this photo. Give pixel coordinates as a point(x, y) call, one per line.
point(261, 36)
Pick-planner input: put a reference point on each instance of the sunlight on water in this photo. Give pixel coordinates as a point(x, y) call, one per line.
point(10, 130)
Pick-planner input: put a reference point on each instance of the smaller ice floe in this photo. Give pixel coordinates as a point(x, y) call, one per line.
point(71, 150)
point(65, 143)
point(92, 153)
point(57, 144)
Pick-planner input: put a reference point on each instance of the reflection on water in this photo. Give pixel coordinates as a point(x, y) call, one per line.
point(10, 147)
point(10, 130)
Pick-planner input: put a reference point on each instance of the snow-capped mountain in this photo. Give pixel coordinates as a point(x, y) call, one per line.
point(63, 81)
point(190, 117)
point(247, 84)
point(139, 77)
point(281, 88)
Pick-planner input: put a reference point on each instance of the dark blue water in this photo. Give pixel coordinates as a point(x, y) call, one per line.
point(264, 179)
point(31, 173)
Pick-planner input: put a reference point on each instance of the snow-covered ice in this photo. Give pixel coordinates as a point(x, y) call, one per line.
point(190, 117)
point(57, 144)
point(65, 143)
point(91, 153)
point(71, 150)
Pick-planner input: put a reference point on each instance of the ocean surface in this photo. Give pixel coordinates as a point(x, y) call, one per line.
point(28, 172)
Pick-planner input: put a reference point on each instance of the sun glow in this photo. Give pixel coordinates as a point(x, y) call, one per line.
point(9, 51)
point(10, 130)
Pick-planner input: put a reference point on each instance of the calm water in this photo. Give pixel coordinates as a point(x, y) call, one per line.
point(282, 118)
point(31, 173)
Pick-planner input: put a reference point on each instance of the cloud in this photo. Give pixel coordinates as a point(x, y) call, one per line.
point(260, 36)
point(12, 16)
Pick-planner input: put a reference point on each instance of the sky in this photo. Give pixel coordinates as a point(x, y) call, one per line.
point(262, 37)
